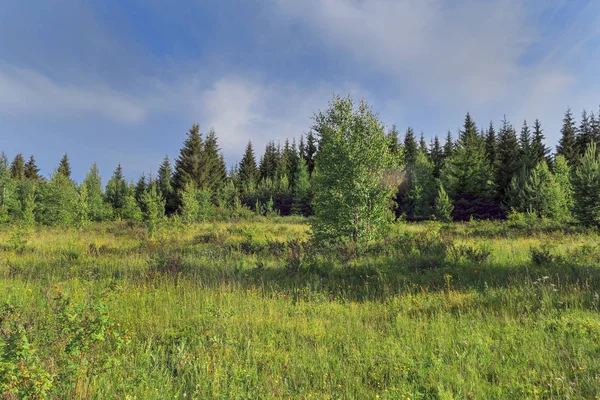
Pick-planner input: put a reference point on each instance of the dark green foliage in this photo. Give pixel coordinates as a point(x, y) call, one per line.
point(467, 174)
point(508, 160)
point(31, 170)
point(248, 173)
point(491, 144)
point(567, 146)
point(448, 146)
point(8, 190)
point(165, 186)
point(189, 165)
point(214, 164)
point(586, 184)
point(64, 167)
point(270, 161)
point(540, 151)
point(311, 152)
point(421, 195)
point(585, 134)
point(301, 193)
point(393, 139)
point(140, 188)
point(117, 192)
point(423, 144)
point(436, 155)
point(595, 122)
point(17, 168)
point(410, 147)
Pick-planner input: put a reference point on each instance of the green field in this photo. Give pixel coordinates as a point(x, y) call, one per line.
point(478, 310)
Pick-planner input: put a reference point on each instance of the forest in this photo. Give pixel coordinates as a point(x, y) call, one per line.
point(353, 262)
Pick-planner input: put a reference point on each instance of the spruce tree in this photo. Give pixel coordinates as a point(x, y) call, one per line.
point(56, 201)
point(140, 188)
point(99, 210)
point(563, 177)
point(423, 144)
point(491, 144)
point(585, 134)
point(302, 148)
point(301, 190)
point(393, 139)
point(269, 162)
point(586, 184)
point(117, 192)
point(64, 167)
point(190, 207)
point(8, 187)
point(31, 170)
point(421, 194)
point(437, 157)
point(567, 146)
point(214, 164)
point(467, 172)
point(82, 208)
point(596, 128)
point(443, 206)
point(410, 147)
point(17, 168)
point(248, 172)
point(165, 185)
point(508, 160)
point(189, 166)
point(539, 148)
point(311, 152)
point(153, 209)
point(448, 146)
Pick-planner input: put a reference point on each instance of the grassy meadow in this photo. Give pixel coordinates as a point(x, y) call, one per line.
point(480, 310)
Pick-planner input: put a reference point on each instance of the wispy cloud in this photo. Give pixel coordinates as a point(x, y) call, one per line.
point(27, 92)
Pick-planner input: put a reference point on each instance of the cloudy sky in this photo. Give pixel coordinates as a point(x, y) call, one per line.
point(122, 81)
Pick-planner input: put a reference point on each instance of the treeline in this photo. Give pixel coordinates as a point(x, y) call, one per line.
point(484, 174)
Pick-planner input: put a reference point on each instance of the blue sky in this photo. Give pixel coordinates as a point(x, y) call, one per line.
point(122, 81)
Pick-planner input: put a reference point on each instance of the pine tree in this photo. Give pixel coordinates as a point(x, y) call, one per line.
point(56, 201)
point(189, 166)
point(508, 160)
point(17, 168)
point(448, 146)
point(64, 168)
point(248, 173)
point(585, 134)
point(586, 186)
point(437, 157)
point(567, 146)
point(31, 170)
point(214, 164)
point(165, 186)
point(117, 192)
point(491, 144)
point(539, 148)
point(443, 206)
point(351, 200)
point(311, 152)
point(410, 147)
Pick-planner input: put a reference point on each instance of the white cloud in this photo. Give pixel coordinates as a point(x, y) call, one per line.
point(27, 92)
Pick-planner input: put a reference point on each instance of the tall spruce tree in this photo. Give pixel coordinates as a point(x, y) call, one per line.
point(311, 152)
point(98, 209)
point(423, 144)
point(189, 166)
point(436, 155)
point(31, 170)
point(165, 185)
point(248, 172)
point(448, 146)
point(508, 160)
point(214, 164)
point(491, 144)
point(17, 168)
point(393, 138)
point(269, 162)
point(539, 148)
point(567, 146)
point(301, 190)
point(64, 167)
point(585, 134)
point(595, 125)
point(528, 159)
point(410, 147)
point(117, 192)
